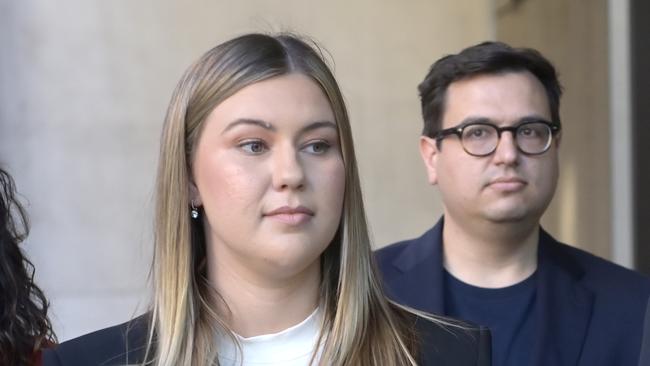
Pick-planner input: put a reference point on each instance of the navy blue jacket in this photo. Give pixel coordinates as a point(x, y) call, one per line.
point(589, 311)
point(644, 359)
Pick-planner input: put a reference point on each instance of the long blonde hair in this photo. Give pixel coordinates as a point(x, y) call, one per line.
point(360, 326)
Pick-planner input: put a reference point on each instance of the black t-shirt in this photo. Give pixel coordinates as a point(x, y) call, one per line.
point(507, 311)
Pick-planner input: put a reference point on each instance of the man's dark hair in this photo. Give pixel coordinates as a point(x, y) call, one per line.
point(483, 58)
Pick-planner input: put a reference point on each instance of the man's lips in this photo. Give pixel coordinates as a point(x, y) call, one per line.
point(507, 184)
point(291, 215)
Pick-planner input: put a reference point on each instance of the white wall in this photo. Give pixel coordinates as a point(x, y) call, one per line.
point(83, 89)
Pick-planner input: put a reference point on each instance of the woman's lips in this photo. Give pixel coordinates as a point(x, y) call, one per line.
point(290, 215)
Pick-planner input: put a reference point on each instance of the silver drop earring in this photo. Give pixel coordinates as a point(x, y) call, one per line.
point(194, 212)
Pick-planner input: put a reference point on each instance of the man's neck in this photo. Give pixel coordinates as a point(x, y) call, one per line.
point(491, 255)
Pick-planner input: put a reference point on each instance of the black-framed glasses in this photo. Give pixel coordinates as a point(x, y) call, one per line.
point(481, 138)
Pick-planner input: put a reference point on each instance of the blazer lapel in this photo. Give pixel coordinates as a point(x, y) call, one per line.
point(563, 307)
point(421, 282)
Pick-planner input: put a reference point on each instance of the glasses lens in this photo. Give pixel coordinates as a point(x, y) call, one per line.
point(479, 139)
point(534, 137)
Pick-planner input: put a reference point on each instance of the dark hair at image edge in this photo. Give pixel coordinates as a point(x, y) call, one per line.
point(483, 58)
point(24, 325)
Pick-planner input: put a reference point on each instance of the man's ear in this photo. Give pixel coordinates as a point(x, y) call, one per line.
point(429, 154)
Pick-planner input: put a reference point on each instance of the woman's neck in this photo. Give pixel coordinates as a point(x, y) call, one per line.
point(259, 303)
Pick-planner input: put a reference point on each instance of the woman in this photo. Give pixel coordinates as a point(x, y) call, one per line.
point(262, 253)
point(24, 326)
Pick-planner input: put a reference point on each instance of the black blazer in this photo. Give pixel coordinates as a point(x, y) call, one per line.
point(589, 311)
point(124, 344)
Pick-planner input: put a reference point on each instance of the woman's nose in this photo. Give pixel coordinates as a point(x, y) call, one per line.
point(288, 172)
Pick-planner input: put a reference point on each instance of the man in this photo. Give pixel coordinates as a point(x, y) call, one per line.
point(490, 143)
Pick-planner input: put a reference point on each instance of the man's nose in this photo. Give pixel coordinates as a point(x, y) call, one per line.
point(506, 151)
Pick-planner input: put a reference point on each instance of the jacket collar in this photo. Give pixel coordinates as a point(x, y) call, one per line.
point(421, 263)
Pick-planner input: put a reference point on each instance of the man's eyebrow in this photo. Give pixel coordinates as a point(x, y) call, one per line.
point(248, 121)
point(530, 118)
point(469, 120)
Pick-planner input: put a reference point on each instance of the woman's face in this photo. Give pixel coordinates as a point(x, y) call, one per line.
point(269, 174)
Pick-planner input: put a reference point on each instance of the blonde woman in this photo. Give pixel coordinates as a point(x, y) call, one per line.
point(262, 254)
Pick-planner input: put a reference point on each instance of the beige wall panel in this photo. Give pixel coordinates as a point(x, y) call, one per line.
point(84, 89)
point(573, 35)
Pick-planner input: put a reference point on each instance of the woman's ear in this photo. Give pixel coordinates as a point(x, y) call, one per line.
point(429, 154)
point(195, 197)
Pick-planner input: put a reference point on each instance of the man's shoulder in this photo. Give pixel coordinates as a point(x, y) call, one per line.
point(600, 275)
point(393, 250)
point(117, 345)
point(410, 250)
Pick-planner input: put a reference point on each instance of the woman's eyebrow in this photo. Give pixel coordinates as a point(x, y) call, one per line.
point(249, 121)
point(268, 126)
point(318, 124)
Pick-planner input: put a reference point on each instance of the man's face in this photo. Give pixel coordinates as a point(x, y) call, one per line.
point(508, 185)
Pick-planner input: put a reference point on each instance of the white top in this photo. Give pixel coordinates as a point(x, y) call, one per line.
point(291, 347)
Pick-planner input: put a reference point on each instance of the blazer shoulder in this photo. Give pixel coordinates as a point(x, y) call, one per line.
point(117, 345)
point(445, 341)
point(388, 253)
point(410, 252)
point(603, 276)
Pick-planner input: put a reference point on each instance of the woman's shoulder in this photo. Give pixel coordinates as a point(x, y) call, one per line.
point(445, 341)
point(118, 345)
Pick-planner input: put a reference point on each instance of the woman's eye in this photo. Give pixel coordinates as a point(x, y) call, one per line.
point(253, 147)
point(317, 147)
